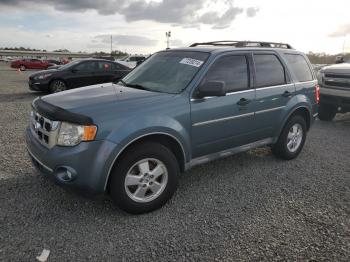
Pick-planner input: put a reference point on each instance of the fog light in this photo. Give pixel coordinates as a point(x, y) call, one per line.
point(65, 174)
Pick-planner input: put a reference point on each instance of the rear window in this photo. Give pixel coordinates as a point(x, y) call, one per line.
point(269, 70)
point(300, 67)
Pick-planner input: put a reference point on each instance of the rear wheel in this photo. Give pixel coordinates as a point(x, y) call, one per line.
point(22, 68)
point(57, 86)
point(292, 138)
point(326, 112)
point(144, 178)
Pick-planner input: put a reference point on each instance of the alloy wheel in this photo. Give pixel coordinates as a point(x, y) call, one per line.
point(146, 180)
point(295, 137)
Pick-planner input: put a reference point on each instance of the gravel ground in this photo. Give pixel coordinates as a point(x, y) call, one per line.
point(247, 207)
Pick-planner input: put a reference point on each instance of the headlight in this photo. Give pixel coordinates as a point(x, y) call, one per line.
point(43, 76)
point(72, 134)
point(320, 76)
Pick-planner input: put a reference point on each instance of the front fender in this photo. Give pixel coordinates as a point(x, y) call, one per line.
point(130, 131)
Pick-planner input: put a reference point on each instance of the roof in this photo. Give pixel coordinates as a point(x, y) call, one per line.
point(224, 46)
point(221, 49)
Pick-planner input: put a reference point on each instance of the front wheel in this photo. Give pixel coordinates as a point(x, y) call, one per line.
point(57, 86)
point(292, 138)
point(22, 68)
point(145, 178)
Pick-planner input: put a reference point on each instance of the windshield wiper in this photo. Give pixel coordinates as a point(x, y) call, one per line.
point(121, 81)
point(138, 86)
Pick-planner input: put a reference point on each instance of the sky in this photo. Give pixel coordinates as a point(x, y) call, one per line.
point(139, 26)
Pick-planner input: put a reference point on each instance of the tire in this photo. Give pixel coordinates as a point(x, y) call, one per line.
point(291, 141)
point(22, 68)
point(57, 86)
point(326, 112)
point(145, 178)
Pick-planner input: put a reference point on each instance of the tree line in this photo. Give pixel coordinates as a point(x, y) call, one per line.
point(115, 53)
point(323, 58)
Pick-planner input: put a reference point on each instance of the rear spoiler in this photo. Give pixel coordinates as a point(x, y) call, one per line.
point(56, 113)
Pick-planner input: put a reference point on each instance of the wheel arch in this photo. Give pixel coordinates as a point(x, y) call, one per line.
point(58, 78)
point(166, 139)
point(302, 110)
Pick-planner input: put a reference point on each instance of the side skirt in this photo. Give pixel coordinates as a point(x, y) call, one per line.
point(228, 152)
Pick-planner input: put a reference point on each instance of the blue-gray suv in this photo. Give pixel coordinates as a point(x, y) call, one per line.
point(180, 108)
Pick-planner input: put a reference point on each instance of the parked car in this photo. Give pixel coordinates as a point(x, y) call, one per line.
point(77, 74)
point(7, 59)
point(132, 61)
point(334, 84)
point(54, 67)
point(180, 108)
point(55, 62)
point(24, 64)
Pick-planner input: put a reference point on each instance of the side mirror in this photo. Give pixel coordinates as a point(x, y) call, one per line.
point(211, 88)
point(74, 70)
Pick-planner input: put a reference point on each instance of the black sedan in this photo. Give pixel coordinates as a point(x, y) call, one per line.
point(78, 73)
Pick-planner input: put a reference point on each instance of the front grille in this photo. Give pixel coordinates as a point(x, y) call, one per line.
point(44, 129)
point(341, 81)
point(337, 84)
point(337, 76)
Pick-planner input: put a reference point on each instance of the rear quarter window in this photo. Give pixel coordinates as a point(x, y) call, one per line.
point(300, 67)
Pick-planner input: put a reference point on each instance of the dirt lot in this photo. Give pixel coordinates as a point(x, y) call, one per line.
point(251, 206)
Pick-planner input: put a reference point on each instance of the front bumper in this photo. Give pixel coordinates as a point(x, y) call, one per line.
point(88, 163)
point(37, 85)
point(341, 103)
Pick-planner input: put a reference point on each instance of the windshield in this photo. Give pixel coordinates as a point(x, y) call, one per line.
point(166, 72)
point(70, 64)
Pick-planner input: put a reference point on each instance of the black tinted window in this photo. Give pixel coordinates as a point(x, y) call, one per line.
point(116, 66)
point(269, 70)
point(300, 67)
point(104, 66)
point(86, 66)
point(232, 70)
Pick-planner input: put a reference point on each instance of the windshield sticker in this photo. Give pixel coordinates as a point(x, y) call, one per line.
point(191, 62)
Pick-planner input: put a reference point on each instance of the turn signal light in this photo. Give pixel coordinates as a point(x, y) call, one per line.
point(89, 133)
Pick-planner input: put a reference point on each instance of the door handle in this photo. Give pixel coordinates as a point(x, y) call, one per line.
point(287, 94)
point(243, 101)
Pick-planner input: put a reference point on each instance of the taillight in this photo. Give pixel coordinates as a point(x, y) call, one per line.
point(317, 93)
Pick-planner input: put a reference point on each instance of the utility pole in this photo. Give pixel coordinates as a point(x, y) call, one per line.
point(111, 44)
point(344, 44)
point(168, 35)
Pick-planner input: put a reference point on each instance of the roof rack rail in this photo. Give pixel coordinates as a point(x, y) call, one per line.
point(244, 44)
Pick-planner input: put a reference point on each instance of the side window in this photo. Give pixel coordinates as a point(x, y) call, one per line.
point(269, 70)
point(117, 66)
point(300, 67)
point(86, 66)
point(233, 70)
point(104, 66)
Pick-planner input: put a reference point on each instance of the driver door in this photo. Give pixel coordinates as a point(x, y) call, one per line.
point(220, 123)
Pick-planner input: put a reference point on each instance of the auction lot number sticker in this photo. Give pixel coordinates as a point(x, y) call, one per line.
point(191, 62)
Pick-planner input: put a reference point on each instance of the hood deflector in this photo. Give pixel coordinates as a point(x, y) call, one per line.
point(56, 113)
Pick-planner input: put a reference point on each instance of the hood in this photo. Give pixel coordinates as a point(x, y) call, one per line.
point(43, 72)
point(337, 69)
point(96, 99)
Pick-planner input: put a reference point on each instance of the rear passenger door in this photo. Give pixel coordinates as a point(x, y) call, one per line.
point(273, 91)
point(104, 73)
point(119, 71)
point(220, 123)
